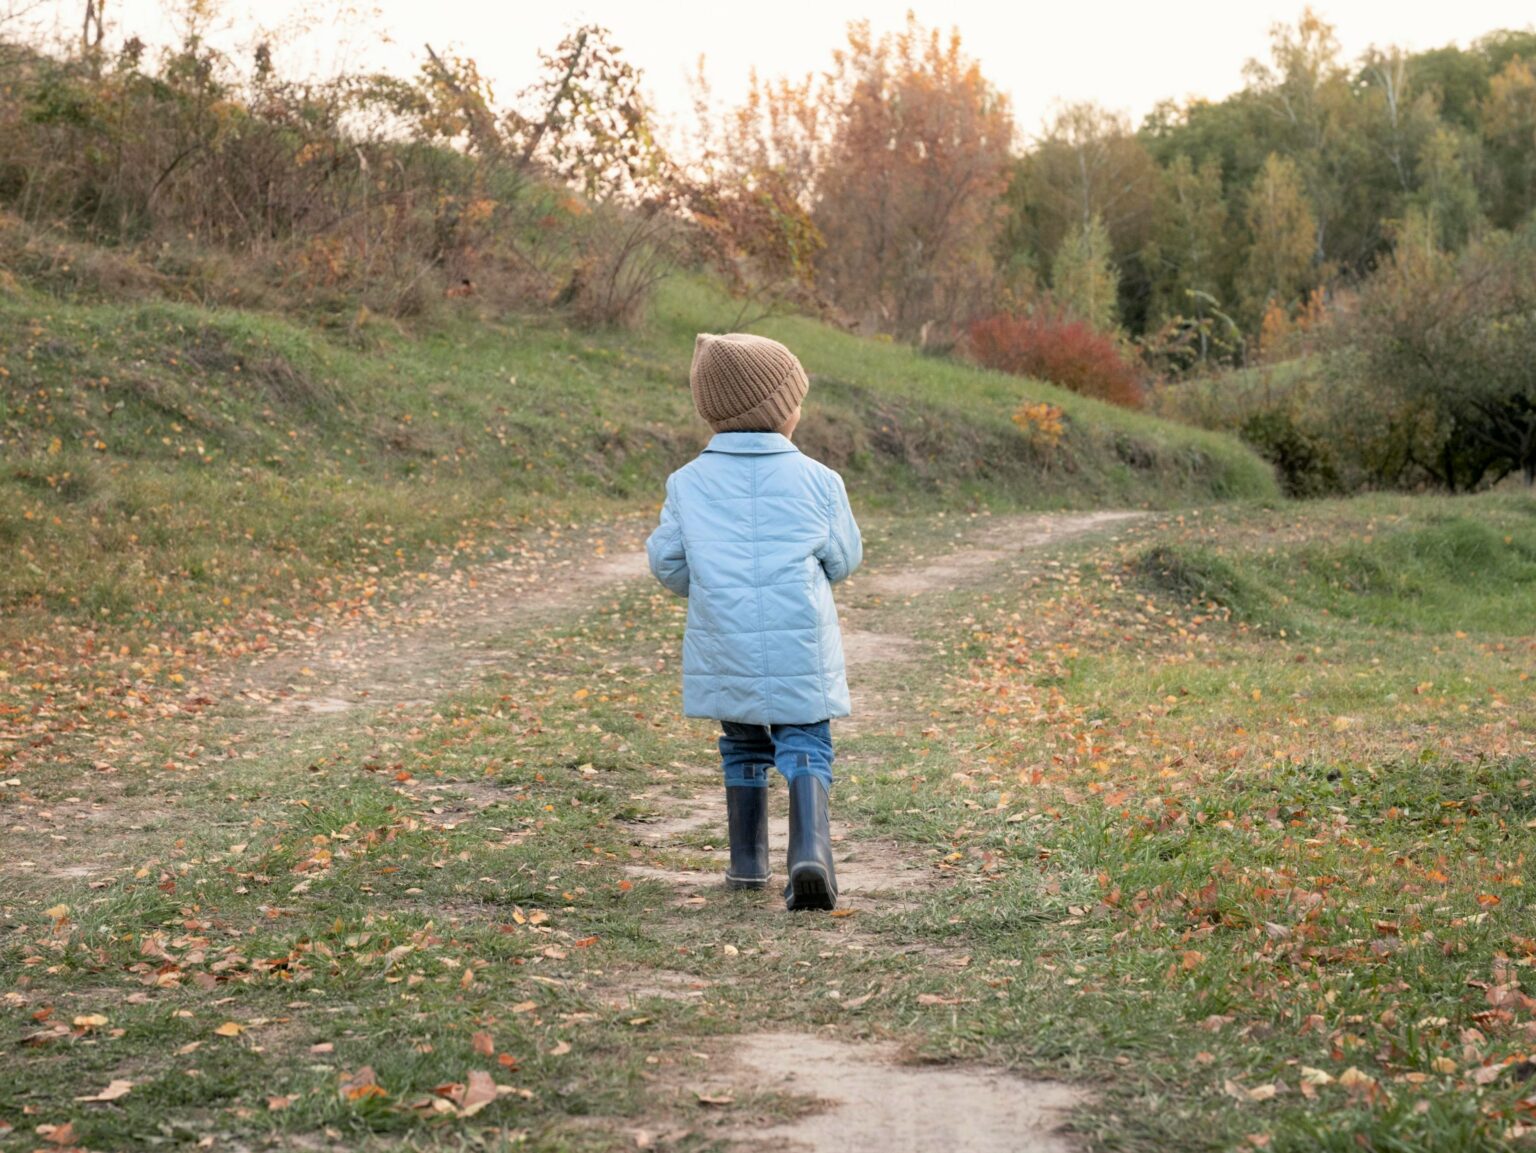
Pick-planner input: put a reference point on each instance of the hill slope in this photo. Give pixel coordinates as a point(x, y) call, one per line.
point(172, 464)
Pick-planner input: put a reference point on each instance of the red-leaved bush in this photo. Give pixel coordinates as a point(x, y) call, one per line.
point(1060, 349)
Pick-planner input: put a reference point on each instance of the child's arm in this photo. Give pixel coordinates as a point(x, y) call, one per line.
point(844, 549)
point(668, 557)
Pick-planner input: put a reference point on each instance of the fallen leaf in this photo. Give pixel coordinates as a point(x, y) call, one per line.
point(90, 1021)
point(1488, 1074)
point(479, 1093)
point(58, 1134)
point(111, 1093)
point(483, 1044)
point(363, 1083)
point(1356, 1081)
point(560, 1049)
point(276, 1103)
point(57, 912)
point(230, 1029)
point(323, 1047)
point(525, 1007)
point(715, 1099)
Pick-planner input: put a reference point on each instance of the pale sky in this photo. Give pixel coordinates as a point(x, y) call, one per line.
point(1124, 55)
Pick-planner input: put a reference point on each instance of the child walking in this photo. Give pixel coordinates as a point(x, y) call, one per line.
point(755, 534)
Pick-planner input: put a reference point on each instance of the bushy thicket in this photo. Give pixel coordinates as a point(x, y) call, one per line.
point(1420, 378)
point(1052, 345)
point(363, 194)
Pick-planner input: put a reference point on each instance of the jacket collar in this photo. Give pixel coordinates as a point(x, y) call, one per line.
point(750, 443)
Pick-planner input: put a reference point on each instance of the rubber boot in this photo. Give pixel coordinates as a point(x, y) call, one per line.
point(812, 880)
point(746, 813)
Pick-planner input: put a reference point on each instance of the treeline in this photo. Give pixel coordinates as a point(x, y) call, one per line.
point(891, 193)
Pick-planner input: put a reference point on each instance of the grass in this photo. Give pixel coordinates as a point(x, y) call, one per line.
point(1255, 890)
point(169, 469)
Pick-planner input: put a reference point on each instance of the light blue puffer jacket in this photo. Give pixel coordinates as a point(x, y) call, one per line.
point(755, 534)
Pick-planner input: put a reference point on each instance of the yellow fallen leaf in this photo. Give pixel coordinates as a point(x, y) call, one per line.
point(57, 913)
point(90, 1021)
point(230, 1029)
point(478, 1093)
point(111, 1093)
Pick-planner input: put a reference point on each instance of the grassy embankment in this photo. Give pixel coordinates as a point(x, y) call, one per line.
point(1229, 819)
point(176, 482)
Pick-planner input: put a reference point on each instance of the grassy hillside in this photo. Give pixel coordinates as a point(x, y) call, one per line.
point(171, 464)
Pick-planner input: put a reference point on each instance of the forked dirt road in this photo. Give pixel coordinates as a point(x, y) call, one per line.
point(408, 657)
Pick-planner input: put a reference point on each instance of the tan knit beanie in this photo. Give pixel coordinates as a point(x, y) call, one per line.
point(745, 383)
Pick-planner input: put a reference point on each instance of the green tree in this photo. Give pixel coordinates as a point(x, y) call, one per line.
point(1189, 256)
point(1447, 192)
point(1280, 263)
point(1509, 127)
point(1087, 164)
point(1084, 280)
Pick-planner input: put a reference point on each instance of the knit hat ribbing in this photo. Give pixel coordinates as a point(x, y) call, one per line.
point(745, 383)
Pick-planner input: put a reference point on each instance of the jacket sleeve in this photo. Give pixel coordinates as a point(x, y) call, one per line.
point(844, 547)
point(664, 549)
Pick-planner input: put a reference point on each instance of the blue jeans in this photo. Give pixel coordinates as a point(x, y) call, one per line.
point(748, 751)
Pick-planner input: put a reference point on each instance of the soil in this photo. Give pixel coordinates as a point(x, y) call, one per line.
point(875, 1104)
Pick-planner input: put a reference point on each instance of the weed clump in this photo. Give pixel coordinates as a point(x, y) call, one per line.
point(1199, 577)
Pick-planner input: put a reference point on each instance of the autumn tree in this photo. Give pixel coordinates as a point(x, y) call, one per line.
point(1314, 121)
point(585, 119)
point(916, 155)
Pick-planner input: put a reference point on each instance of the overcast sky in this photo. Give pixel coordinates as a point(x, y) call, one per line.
point(1126, 56)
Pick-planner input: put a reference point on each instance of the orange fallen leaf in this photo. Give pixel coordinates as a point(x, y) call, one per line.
point(584, 943)
point(276, 1103)
point(58, 1134)
point(506, 1060)
point(483, 1044)
point(1487, 899)
point(363, 1083)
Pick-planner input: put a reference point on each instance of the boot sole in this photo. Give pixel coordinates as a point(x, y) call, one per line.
point(809, 888)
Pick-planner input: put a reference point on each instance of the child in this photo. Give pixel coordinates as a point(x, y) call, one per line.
point(754, 535)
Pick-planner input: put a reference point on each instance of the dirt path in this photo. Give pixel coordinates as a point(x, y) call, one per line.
point(859, 1096)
